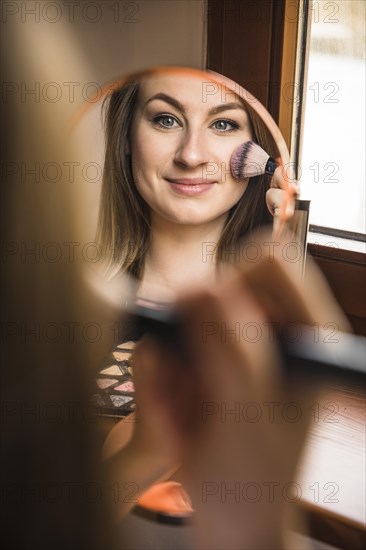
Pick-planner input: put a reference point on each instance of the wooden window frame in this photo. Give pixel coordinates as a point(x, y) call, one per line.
point(269, 31)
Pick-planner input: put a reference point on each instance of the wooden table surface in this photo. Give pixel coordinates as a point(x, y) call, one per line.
point(332, 474)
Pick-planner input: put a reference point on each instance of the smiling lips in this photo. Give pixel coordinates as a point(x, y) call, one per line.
point(190, 186)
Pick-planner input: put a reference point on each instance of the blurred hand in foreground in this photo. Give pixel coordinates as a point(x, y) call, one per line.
point(223, 409)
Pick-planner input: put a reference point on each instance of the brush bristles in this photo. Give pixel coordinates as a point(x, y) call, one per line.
point(248, 160)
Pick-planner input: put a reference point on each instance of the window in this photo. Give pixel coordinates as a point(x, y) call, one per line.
point(332, 160)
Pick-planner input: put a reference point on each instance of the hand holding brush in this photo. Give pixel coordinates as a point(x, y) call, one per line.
point(250, 160)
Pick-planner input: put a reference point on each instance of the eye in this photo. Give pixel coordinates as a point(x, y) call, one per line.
point(225, 125)
point(166, 121)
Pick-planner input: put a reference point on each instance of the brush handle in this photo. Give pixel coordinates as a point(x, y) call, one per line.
point(271, 166)
point(342, 358)
point(313, 354)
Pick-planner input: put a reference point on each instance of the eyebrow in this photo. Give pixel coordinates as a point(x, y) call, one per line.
point(168, 99)
point(178, 105)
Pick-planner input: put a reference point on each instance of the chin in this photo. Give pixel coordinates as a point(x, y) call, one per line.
point(194, 218)
point(193, 214)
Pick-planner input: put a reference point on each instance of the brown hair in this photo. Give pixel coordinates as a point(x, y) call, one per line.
point(124, 219)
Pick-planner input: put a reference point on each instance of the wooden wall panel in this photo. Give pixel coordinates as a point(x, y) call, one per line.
point(244, 42)
point(346, 274)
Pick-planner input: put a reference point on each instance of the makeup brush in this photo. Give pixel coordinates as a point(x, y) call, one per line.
point(343, 358)
point(249, 160)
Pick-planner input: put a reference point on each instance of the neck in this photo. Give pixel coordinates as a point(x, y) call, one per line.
point(180, 258)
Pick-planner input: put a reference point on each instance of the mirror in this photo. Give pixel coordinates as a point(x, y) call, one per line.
point(172, 132)
point(176, 202)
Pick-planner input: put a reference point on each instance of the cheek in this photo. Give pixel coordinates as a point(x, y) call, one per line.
point(238, 188)
point(139, 176)
point(140, 161)
point(138, 152)
point(146, 157)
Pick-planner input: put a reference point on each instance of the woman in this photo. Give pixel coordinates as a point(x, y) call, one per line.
point(164, 132)
point(171, 213)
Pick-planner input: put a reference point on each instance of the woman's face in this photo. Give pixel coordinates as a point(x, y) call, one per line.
point(183, 135)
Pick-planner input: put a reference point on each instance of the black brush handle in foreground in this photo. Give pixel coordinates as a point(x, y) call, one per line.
point(313, 354)
point(316, 356)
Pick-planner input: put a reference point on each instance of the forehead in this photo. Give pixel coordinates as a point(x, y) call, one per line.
point(190, 90)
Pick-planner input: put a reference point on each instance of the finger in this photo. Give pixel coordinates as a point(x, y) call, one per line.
point(233, 348)
point(275, 282)
point(242, 310)
point(153, 368)
point(281, 206)
point(145, 360)
point(321, 300)
point(283, 178)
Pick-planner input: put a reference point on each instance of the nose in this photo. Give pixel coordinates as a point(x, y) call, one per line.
point(191, 150)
